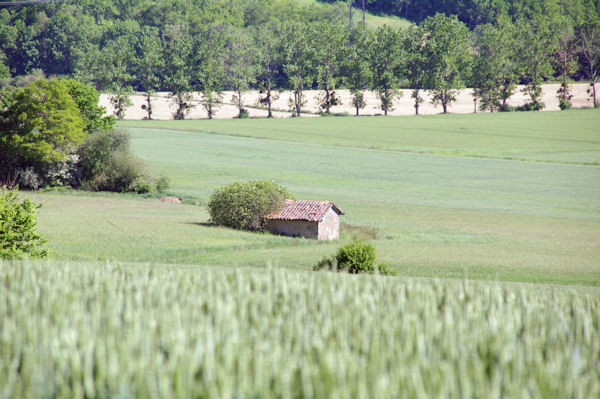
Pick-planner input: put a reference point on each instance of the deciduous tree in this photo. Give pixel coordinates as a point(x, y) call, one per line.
point(39, 125)
point(268, 64)
point(536, 44)
point(179, 69)
point(449, 54)
point(241, 66)
point(330, 52)
point(496, 66)
point(149, 63)
point(298, 59)
point(589, 40)
point(357, 72)
point(387, 59)
point(414, 44)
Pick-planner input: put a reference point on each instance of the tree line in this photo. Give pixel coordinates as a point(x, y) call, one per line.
point(128, 47)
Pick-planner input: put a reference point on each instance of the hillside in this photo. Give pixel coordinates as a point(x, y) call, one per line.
point(372, 20)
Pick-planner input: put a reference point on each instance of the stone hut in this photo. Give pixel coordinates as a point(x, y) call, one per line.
point(308, 219)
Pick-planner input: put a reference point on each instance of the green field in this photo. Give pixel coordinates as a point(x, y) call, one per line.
point(148, 299)
point(140, 331)
point(431, 214)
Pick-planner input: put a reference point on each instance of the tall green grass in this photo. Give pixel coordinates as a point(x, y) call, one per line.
point(94, 330)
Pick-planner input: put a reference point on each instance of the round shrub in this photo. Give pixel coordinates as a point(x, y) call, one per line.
point(356, 257)
point(18, 235)
point(243, 205)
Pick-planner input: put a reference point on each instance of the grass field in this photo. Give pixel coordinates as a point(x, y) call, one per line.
point(88, 330)
point(434, 211)
point(562, 137)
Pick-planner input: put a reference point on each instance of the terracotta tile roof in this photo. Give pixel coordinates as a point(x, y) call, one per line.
point(312, 211)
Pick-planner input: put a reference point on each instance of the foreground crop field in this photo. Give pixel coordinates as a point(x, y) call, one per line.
point(74, 330)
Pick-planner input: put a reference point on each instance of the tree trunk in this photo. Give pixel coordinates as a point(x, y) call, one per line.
point(297, 101)
point(209, 110)
point(350, 16)
point(239, 93)
point(327, 106)
point(357, 109)
point(445, 101)
point(593, 84)
point(149, 106)
point(363, 10)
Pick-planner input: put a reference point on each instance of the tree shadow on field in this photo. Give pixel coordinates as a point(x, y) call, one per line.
point(203, 224)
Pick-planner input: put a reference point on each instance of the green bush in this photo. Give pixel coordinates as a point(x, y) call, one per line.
point(244, 205)
point(162, 183)
point(18, 235)
point(97, 151)
point(107, 164)
point(355, 257)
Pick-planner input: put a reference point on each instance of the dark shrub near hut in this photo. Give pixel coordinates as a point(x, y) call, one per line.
point(244, 205)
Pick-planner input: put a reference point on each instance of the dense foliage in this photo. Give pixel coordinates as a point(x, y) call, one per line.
point(53, 133)
point(39, 126)
point(210, 46)
point(102, 330)
point(245, 205)
point(18, 235)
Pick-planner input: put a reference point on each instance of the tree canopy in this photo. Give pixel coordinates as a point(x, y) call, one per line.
point(210, 46)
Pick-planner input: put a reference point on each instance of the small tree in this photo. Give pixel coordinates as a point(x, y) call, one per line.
point(298, 58)
point(244, 205)
point(496, 69)
point(448, 52)
point(589, 40)
point(414, 45)
point(565, 60)
point(537, 44)
point(210, 71)
point(241, 67)
point(268, 65)
point(18, 235)
point(356, 68)
point(178, 69)
point(149, 62)
point(386, 59)
point(329, 54)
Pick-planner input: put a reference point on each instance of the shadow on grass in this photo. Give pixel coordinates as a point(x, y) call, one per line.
point(204, 224)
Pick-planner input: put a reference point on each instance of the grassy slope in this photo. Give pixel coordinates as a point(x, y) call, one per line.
point(434, 215)
point(371, 20)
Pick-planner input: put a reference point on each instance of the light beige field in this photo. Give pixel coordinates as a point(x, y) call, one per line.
point(163, 107)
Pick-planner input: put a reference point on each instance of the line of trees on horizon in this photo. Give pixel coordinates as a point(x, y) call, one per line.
point(308, 50)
